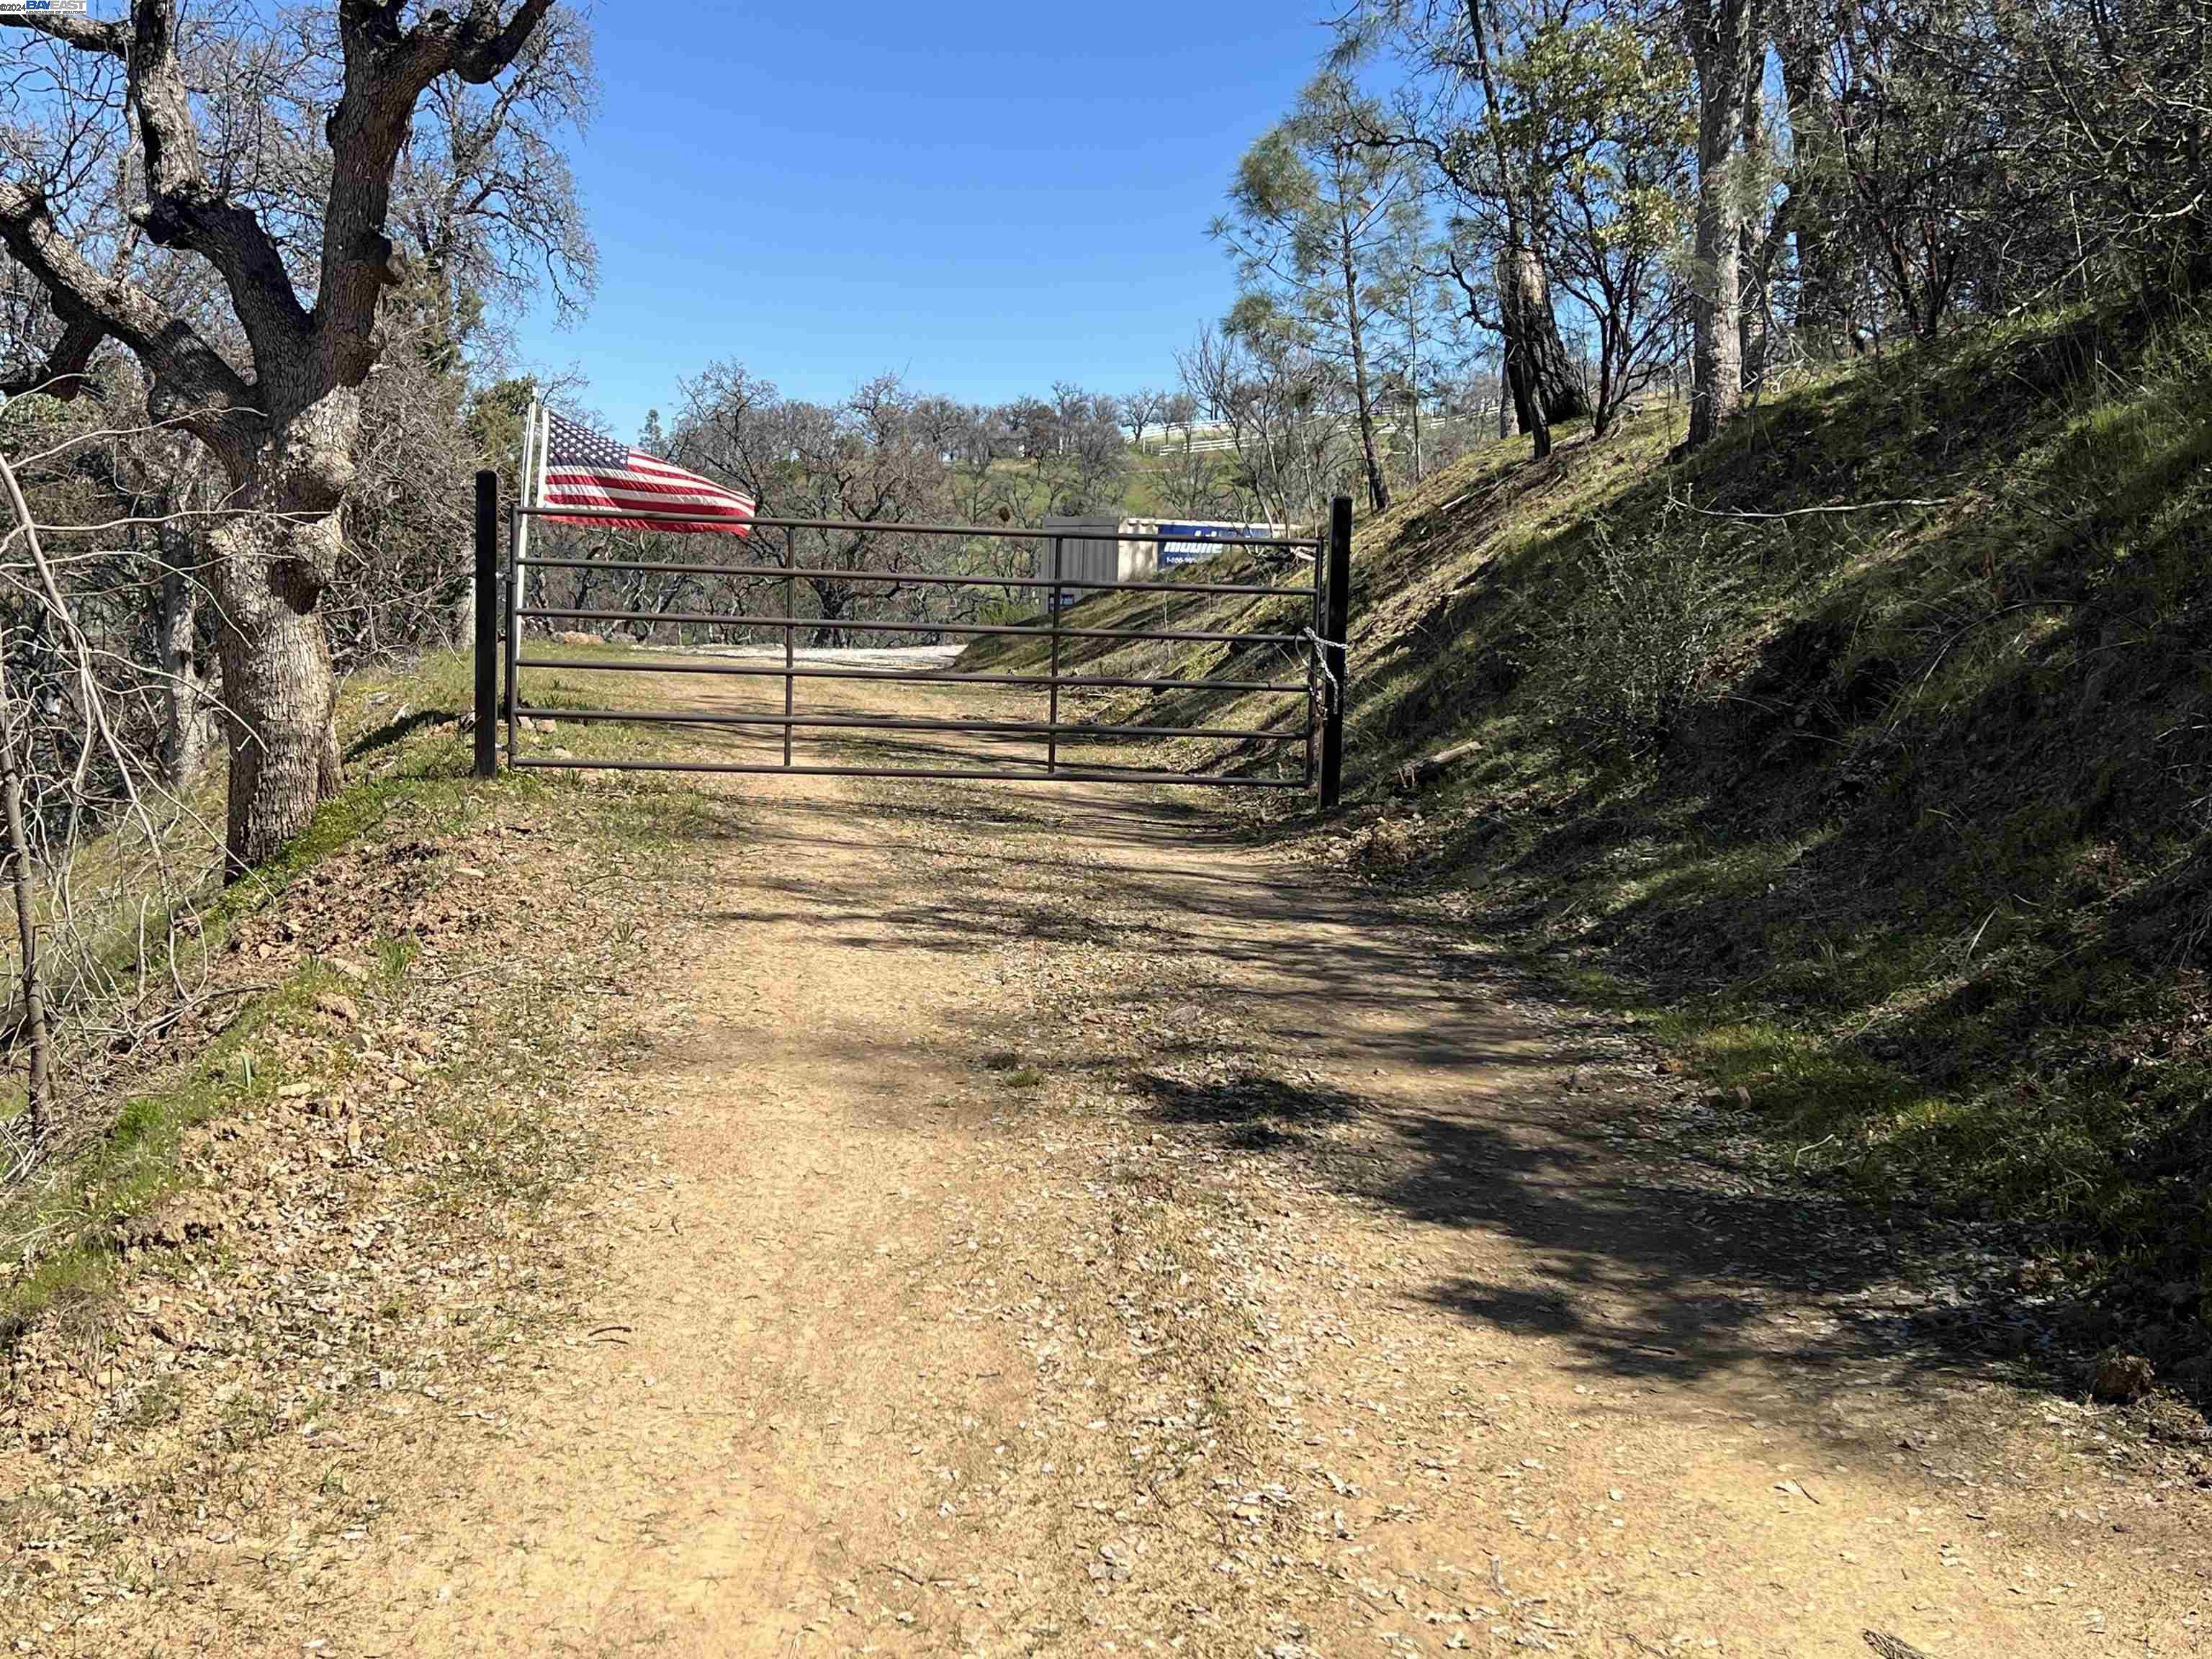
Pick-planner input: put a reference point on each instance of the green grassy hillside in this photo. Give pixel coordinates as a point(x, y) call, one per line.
point(1869, 752)
point(1145, 487)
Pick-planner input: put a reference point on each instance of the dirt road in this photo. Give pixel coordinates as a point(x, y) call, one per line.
point(1060, 1229)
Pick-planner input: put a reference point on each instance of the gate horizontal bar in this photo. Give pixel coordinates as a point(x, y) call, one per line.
point(993, 531)
point(710, 619)
point(784, 572)
point(1065, 775)
point(909, 723)
point(915, 677)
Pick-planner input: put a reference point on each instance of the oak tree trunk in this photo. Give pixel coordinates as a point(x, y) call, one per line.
point(830, 599)
point(1716, 341)
point(1514, 318)
point(277, 687)
point(1528, 414)
point(19, 870)
point(1754, 257)
point(39, 1085)
point(285, 436)
point(1528, 309)
point(270, 567)
point(1823, 286)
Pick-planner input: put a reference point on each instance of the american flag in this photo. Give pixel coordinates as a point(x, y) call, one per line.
point(585, 469)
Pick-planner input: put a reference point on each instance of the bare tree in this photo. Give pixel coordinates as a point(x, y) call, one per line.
point(483, 197)
point(1190, 484)
point(983, 490)
point(22, 874)
point(285, 429)
point(869, 460)
point(1422, 333)
point(1087, 463)
point(1273, 399)
point(80, 757)
point(1141, 408)
point(1181, 410)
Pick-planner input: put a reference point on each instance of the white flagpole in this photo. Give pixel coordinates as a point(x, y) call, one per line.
point(526, 494)
point(526, 491)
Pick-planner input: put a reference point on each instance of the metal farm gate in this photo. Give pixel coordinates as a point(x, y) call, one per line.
point(1316, 645)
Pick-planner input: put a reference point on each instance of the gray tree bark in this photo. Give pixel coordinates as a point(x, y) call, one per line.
point(1515, 319)
point(1823, 286)
point(1723, 42)
point(270, 568)
point(20, 873)
point(279, 689)
point(39, 1085)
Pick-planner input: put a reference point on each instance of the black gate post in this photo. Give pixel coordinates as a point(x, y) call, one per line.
point(790, 638)
point(1052, 719)
point(487, 616)
point(1334, 634)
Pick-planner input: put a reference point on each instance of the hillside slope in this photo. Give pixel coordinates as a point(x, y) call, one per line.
point(1869, 751)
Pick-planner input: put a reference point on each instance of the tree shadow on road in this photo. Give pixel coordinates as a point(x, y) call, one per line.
point(1250, 1108)
point(1600, 1207)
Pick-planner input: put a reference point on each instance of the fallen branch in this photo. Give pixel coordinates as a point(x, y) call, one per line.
point(1414, 773)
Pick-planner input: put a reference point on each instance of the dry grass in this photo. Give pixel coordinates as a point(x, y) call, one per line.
point(171, 994)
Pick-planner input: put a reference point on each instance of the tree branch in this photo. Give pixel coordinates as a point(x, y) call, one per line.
point(184, 209)
point(186, 369)
point(85, 33)
point(387, 69)
point(481, 50)
point(61, 377)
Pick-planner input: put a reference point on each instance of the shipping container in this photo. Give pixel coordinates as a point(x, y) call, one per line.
point(1098, 550)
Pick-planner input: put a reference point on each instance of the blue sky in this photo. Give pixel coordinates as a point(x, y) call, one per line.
point(983, 198)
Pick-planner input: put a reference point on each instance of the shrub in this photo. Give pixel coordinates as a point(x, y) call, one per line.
point(1640, 640)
